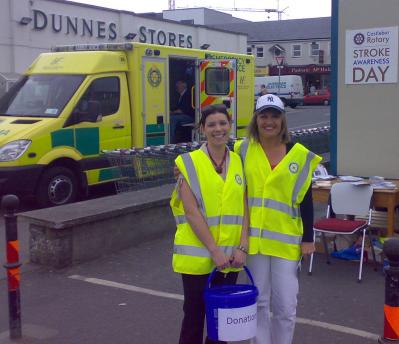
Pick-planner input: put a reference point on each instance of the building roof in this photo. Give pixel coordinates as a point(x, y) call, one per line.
point(283, 30)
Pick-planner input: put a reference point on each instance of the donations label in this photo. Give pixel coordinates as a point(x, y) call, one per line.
point(236, 324)
point(371, 56)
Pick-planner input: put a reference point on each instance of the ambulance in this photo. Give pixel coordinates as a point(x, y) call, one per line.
point(77, 101)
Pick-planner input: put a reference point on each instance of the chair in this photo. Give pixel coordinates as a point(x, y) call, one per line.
point(346, 201)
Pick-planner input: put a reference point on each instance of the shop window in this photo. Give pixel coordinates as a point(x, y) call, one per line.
point(296, 50)
point(217, 81)
point(259, 52)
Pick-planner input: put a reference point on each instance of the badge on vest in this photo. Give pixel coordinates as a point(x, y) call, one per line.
point(238, 179)
point(293, 167)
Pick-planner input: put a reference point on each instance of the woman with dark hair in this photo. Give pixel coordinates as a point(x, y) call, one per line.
point(209, 206)
point(278, 176)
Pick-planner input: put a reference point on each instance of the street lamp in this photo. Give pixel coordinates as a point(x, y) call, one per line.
point(25, 20)
point(130, 36)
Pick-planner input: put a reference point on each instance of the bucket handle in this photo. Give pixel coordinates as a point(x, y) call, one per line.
point(208, 285)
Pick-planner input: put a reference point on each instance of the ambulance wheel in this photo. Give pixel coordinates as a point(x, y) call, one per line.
point(58, 185)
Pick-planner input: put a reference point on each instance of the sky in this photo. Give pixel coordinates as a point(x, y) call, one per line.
point(293, 9)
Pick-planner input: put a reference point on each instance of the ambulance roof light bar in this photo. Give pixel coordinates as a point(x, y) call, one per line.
point(93, 47)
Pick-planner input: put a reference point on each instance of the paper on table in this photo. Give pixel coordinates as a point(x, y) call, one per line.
point(361, 182)
point(350, 178)
point(327, 177)
point(384, 185)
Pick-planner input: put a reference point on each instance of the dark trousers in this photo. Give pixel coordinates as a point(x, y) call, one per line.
point(194, 305)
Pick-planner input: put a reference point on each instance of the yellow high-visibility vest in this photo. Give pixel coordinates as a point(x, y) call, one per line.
point(274, 197)
point(221, 202)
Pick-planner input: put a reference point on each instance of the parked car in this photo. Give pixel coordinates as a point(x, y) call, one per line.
point(318, 97)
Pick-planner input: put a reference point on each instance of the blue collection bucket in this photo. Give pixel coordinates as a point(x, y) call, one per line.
point(231, 310)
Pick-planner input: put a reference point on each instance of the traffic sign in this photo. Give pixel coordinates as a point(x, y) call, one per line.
point(280, 60)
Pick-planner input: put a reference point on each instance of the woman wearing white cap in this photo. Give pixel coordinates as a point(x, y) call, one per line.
point(278, 175)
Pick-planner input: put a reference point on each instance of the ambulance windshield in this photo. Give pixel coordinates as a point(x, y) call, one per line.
point(40, 95)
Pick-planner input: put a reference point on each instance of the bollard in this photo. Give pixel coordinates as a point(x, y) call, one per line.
point(9, 204)
point(391, 307)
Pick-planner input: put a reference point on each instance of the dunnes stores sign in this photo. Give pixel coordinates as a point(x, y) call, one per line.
point(68, 25)
point(73, 25)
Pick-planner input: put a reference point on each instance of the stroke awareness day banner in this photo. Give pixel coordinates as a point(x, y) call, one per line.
point(371, 56)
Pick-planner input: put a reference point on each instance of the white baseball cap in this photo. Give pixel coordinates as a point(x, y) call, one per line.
point(269, 101)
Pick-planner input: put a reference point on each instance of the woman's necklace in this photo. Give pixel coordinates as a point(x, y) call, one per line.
point(218, 168)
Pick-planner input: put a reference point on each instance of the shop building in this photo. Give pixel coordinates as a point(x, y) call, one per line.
point(30, 27)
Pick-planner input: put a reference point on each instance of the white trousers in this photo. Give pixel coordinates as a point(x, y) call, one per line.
point(277, 282)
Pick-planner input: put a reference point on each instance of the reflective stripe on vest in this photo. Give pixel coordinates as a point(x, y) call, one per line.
point(268, 234)
point(303, 176)
point(272, 204)
point(214, 220)
point(195, 251)
point(244, 149)
point(194, 183)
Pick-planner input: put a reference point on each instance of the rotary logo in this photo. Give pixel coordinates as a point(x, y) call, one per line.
point(154, 77)
point(358, 38)
point(293, 167)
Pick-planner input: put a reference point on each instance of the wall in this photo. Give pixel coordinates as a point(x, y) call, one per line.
point(201, 16)
point(5, 37)
point(366, 119)
point(20, 44)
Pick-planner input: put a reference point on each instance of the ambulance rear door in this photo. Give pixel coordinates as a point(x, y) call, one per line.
point(216, 83)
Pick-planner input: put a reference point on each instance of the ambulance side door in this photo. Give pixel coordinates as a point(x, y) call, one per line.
point(154, 81)
point(101, 117)
point(216, 83)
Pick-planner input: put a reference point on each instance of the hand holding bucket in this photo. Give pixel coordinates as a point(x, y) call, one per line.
point(231, 310)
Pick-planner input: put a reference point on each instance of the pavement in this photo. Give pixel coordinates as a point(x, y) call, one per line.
point(134, 297)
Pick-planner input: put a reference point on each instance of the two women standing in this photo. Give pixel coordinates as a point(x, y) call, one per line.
point(212, 222)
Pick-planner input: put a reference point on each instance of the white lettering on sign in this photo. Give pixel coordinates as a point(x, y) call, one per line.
point(371, 56)
point(237, 323)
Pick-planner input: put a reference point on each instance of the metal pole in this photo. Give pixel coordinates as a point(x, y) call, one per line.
point(391, 307)
point(279, 73)
point(9, 204)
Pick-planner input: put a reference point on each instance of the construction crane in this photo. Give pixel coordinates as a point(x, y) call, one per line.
point(267, 10)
